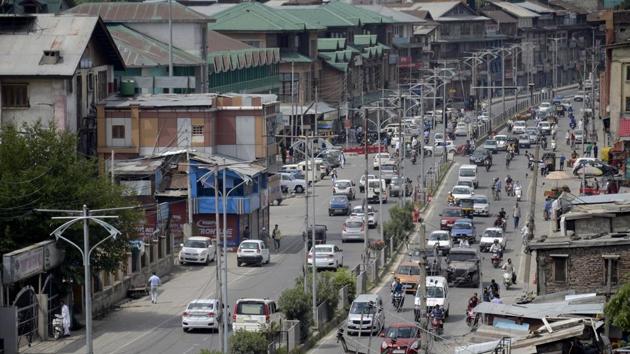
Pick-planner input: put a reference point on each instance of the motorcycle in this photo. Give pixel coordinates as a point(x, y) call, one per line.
point(509, 189)
point(496, 259)
point(472, 320)
point(500, 222)
point(437, 325)
point(57, 326)
point(518, 193)
point(553, 145)
point(507, 280)
point(397, 301)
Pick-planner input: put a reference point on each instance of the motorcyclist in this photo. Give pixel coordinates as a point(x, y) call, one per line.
point(496, 248)
point(494, 287)
point(451, 199)
point(508, 267)
point(508, 179)
point(502, 213)
point(473, 302)
point(414, 152)
point(438, 314)
point(397, 289)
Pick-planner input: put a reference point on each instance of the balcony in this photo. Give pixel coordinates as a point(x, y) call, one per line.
point(235, 205)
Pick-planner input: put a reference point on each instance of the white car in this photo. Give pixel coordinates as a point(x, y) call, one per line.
point(438, 137)
point(252, 252)
point(441, 239)
point(460, 192)
point(202, 314)
point(518, 127)
point(466, 183)
point(357, 211)
point(292, 184)
point(197, 250)
point(461, 129)
point(345, 187)
point(501, 141)
point(544, 128)
point(437, 294)
point(438, 148)
point(326, 256)
point(362, 182)
point(366, 315)
point(353, 229)
point(484, 117)
point(488, 237)
point(579, 136)
point(544, 107)
point(481, 205)
point(382, 158)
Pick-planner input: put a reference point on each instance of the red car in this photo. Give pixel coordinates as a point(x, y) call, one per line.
point(448, 216)
point(399, 337)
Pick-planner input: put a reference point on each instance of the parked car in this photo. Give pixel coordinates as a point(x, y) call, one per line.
point(409, 275)
point(448, 217)
point(327, 256)
point(463, 267)
point(400, 186)
point(197, 250)
point(255, 315)
point(440, 239)
point(366, 315)
point(202, 314)
point(353, 229)
point(463, 229)
point(399, 337)
point(491, 145)
point(481, 205)
point(479, 156)
point(252, 252)
point(339, 205)
point(345, 187)
point(382, 158)
point(357, 211)
point(292, 184)
point(488, 237)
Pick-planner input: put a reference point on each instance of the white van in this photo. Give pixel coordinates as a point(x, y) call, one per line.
point(254, 315)
point(375, 187)
point(318, 176)
point(468, 173)
point(437, 294)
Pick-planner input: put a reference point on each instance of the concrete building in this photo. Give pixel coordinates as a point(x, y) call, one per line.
point(54, 69)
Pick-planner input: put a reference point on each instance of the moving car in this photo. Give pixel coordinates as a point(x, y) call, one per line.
point(489, 235)
point(533, 134)
point(461, 129)
point(400, 187)
point(377, 188)
point(289, 183)
point(339, 204)
point(369, 309)
point(460, 192)
point(544, 127)
point(438, 148)
point(448, 217)
point(388, 172)
point(501, 142)
point(362, 182)
point(357, 212)
point(481, 205)
point(254, 315)
point(479, 156)
point(463, 267)
point(345, 187)
point(544, 108)
point(382, 158)
point(433, 263)
point(463, 229)
point(252, 252)
point(440, 239)
point(197, 250)
point(326, 256)
point(202, 314)
point(399, 337)
point(409, 275)
point(524, 142)
point(353, 229)
point(468, 173)
point(518, 127)
point(466, 183)
point(437, 293)
point(579, 136)
point(491, 145)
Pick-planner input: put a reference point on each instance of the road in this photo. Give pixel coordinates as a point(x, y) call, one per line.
point(141, 327)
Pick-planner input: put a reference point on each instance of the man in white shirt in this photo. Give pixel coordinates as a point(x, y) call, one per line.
point(154, 282)
point(65, 319)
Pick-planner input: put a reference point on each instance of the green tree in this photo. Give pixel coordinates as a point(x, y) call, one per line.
point(296, 305)
point(243, 342)
point(40, 169)
point(618, 308)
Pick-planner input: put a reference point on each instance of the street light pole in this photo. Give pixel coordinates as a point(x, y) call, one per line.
point(314, 268)
point(365, 190)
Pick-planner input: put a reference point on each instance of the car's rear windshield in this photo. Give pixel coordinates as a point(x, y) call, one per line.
point(353, 224)
point(491, 142)
point(435, 292)
point(460, 191)
point(467, 172)
point(462, 225)
point(201, 306)
point(492, 233)
point(452, 212)
point(438, 236)
point(460, 257)
point(344, 184)
point(195, 244)
point(250, 308)
point(249, 245)
point(387, 167)
point(326, 249)
point(400, 332)
point(408, 270)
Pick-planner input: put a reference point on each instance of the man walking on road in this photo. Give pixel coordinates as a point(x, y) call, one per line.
point(276, 235)
point(517, 215)
point(154, 282)
point(595, 150)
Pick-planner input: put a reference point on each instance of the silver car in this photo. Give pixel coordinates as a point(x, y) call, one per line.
point(353, 229)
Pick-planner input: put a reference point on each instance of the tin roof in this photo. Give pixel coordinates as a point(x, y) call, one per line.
point(241, 167)
point(535, 7)
point(162, 100)
point(140, 50)
point(539, 311)
point(398, 16)
point(23, 40)
point(319, 15)
point(256, 17)
point(435, 9)
point(140, 12)
point(140, 166)
point(513, 9)
point(500, 16)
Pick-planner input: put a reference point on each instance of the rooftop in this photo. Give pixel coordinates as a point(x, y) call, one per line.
point(541, 310)
point(256, 17)
point(24, 39)
point(139, 12)
point(535, 7)
point(499, 16)
point(207, 100)
point(398, 16)
point(514, 9)
point(435, 9)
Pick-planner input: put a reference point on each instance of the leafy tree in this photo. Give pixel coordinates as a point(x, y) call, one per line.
point(296, 305)
point(343, 277)
point(618, 308)
point(400, 222)
point(243, 342)
point(40, 169)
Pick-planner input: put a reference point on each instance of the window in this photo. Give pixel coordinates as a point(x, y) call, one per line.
point(197, 130)
point(560, 268)
point(628, 73)
point(285, 80)
point(627, 105)
point(465, 29)
point(613, 262)
point(255, 44)
point(118, 131)
point(15, 95)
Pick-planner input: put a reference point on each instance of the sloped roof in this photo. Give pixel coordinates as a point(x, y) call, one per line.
point(139, 12)
point(319, 15)
point(140, 50)
point(356, 13)
point(513, 9)
point(229, 60)
point(398, 16)
point(435, 9)
point(21, 50)
point(294, 57)
point(331, 43)
point(535, 7)
point(256, 17)
point(500, 16)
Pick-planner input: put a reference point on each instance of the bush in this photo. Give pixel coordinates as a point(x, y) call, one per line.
point(206, 351)
point(243, 342)
point(343, 277)
point(296, 305)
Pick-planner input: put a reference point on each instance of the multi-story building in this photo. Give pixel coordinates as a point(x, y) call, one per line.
point(56, 82)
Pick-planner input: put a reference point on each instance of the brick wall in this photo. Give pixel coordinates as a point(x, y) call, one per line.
point(585, 268)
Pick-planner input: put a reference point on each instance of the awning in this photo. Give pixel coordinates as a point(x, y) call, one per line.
point(320, 108)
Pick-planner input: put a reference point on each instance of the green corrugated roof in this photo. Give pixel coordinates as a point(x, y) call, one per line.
point(229, 60)
point(343, 67)
point(367, 40)
point(320, 15)
point(256, 17)
point(294, 57)
point(356, 14)
point(328, 44)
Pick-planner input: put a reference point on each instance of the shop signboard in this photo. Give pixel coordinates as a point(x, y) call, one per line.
point(29, 261)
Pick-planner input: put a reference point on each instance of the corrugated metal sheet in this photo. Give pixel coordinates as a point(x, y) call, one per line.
point(500, 16)
point(253, 16)
point(21, 49)
point(398, 16)
point(538, 8)
point(539, 311)
point(514, 9)
point(139, 12)
point(435, 9)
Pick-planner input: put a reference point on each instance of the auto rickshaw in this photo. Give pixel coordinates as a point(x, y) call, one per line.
point(468, 207)
point(320, 235)
point(588, 187)
point(549, 158)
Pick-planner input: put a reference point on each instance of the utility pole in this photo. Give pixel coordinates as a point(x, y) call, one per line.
point(422, 172)
point(365, 190)
point(170, 43)
point(306, 219)
point(490, 84)
point(515, 75)
point(444, 120)
point(503, 80)
point(531, 226)
point(380, 178)
point(217, 257)
point(424, 344)
point(593, 69)
point(555, 64)
point(401, 143)
point(314, 268)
